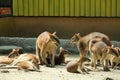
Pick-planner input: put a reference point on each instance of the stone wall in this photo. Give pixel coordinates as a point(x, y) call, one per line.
point(28, 44)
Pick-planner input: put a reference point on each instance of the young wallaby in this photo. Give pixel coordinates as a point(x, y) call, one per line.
point(78, 66)
point(47, 44)
point(60, 58)
point(114, 59)
point(100, 51)
point(83, 42)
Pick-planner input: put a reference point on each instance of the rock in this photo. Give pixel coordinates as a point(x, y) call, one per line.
point(28, 44)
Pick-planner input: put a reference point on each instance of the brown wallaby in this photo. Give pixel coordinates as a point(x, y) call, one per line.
point(77, 66)
point(60, 58)
point(46, 46)
point(83, 42)
point(100, 51)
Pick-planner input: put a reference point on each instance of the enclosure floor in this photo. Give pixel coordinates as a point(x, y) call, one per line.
point(58, 73)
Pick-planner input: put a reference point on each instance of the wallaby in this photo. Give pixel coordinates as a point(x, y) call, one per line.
point(46, 46)
point(100, 51)
point(78, 66)
point(83, 42)
point(60, 58)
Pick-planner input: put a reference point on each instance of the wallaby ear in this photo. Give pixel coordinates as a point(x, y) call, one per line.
point(16, 49)
point(112, 46)
point(13, 50)
point(54, 33)
point(61, 48)
point(78, 34)
point(54, 37)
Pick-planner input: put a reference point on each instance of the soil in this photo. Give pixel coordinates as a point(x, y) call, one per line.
point(58, 73)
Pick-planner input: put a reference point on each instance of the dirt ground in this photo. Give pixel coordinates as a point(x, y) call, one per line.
point(58, 73)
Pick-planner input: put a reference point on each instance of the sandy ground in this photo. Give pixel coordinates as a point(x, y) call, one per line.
point(58, 73)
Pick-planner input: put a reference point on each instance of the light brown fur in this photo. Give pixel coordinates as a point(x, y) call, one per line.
point(25, 57)
point(114, 59)
point(25, 61)
point(100, 51)
point(77, 66)
point(83, 42)
point(14, 53)
point(28, 66)
point(46, 46)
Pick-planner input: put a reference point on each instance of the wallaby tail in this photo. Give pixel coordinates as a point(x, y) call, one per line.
point(8, 67)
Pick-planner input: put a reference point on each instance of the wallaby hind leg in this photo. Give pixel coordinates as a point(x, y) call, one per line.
point(52, 60)
point(38, 55)
point(45, 61)
point(94, 62)
point(105, 68)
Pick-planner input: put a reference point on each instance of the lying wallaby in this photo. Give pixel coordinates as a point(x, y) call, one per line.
point(24, 65)
point(10, 58)
point(47, 44)
point(77, 66)
point(28, 66)
point(60, 58)
point(25, 57)
point(24, 62)
point(83, 42)
point(100, 51)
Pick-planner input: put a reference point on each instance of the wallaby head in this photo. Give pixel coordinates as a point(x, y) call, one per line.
point(117, 49)
point(14, 53)
point(112, 51)
point(35, 65)
point(84, 59)
point(75, 38)
point(64, 51)
point(54, 37)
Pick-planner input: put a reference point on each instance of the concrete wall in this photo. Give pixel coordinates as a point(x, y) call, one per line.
point(64, 26)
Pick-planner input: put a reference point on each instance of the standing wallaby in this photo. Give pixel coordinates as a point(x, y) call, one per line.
point(46, 46)
point(114, 59)
point(83, 42)
point(100, 51)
